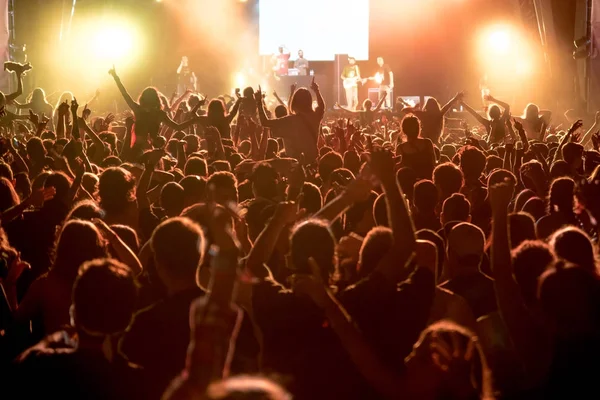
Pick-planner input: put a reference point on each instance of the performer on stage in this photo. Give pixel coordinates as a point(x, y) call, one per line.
point(385, 78)
point(351, 77)
point(186, 77)
point(301, 64)
point(281, 60)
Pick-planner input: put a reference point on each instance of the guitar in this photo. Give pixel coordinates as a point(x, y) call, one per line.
point(352, 81)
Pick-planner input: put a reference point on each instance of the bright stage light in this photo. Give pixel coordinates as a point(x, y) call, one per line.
point(499, 41)
point(240, 80)
point(112, 43)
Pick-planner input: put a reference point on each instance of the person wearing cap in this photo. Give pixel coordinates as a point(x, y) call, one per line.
point(464, 250)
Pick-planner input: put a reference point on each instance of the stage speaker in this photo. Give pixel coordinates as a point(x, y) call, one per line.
point(339, 63)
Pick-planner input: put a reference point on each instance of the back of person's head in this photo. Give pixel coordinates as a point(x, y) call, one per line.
point(574, 245)
point(561, 196)
point(352, 161)
point(449, 335)
point(172, 198)
point(572, 154)
point(35, 149)
point(493, 162)
point(61, 183)
point(500, 175)
point(8, 195)
point(116, 189)
point(559, 169)
point(311, 200)
point(79, 241)
point(6, 171)
point(216, 109)
point(127, 235)
point(448, 178)
point(465, 246)
point(22, 184)
point(432, 105)
point(150, 99)
point(194, 188)
point(411, 126)
point(178, 246)
point(522, 228)
point(367, 104)
point(535, 207)
point(530, 259)
point(329, 163)
point(243, 387)
point(380, 214)
point(494, 112)
point(301, 101)
point(281, 111)
point(272, 148)
point(90, 182)
point(38, 96)
point(313, 239)
point(531, 111)
point(104, 297)
point(222, 188)
point(472, 162)
point(522, 198)
point(407, 177)
point(85, 210)
point(265, 180)
point(456, 208)
point(448, 150)
point(248, 92)
point(570, 298)
point(196, 166)
point(425, 196)
point(374, 247)
point(341, 176)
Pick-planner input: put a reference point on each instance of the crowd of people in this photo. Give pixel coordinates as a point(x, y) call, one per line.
point(195, 249)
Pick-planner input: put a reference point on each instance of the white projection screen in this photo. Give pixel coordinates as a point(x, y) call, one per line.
point(322, 28)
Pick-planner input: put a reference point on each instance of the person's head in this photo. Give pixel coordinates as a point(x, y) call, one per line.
point(559, 169)
point(352, 161)
point(351, 60)
point(104, 298)
point(178, 246)
point(243, 387)
point(6, 171)
point(85, 210)
point(374, 247)
point(248, 93)
point(367, 104)
point(425, 196)
point(23, 185)
point(530, 259)
point(494, 112)
point(196, 166)
point(531, 112)
point(561, 196)
point(430, 379)
point(64, 97)
point(329, 163)
point(464, 248)
point(194, 189)
point(456, 208)
point(569, 296)
point(300, 54)
point(493, 162)
point(280, 49)
point(380, 61)
point(128, 235)
point(79, 241)
point(216, 109)
point(448, 150)
point(535, 207)
point(522, 228)
point(573, 155)
point(8, 195)
point(172, 199)
point(522, 198)
point(448, 179)
point(265, 181)
point(574, 245)
point(36, 150)
point(311, 199)
point(407, 177)
point(313, 239)
point(301, 101)
point(281, 111)
point(472, 162)
point(432, 105)
point(222, 188)
point(61, 183)
point(411, 126)
point(38, 96)
point(116, 189)
point(150, 99)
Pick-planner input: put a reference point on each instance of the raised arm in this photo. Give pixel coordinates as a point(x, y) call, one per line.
point(132, 104)
point(558, 154)
point(502, 104)
point(358, 190)
point(588, 135)
point(349, 111)
point(381, 101)
point(175, 126)
point(459, 96)
point(234, 111)
point(19, 71)
point(483, 121)
point(320, 101)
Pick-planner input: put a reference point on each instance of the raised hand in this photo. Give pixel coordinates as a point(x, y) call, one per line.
point(314, 86)
point(33, 117)
point(575, 137)
point(258, 95)
point(501, 194)
point(359, 189)
point(63, 108)
point(39, 196)
point(112, 72)
point(86, 113)
point(74, 106)
point(382, 164)
point(152, 157)
point(576, 125)
point(293, 87)
point(287, 212)
point(596, 141)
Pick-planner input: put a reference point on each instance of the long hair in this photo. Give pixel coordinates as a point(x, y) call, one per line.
point(301, 101)
point(150, 99)
point(38, 96)
point(216, 109)
point(432, 105)
point(531, 111)
point(66, 96)
point(8, 195)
